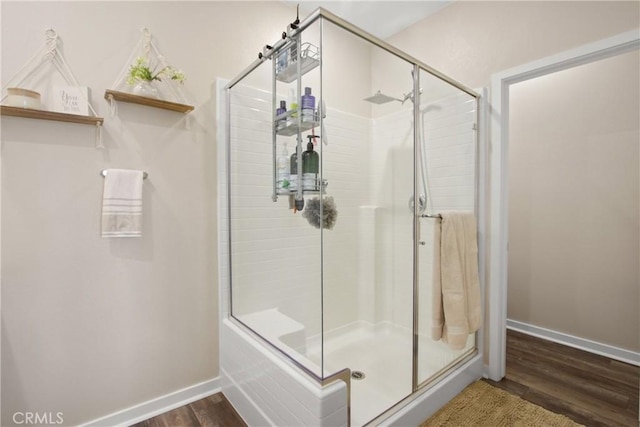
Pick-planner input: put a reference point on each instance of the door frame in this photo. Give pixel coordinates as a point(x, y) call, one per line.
point(498, 167)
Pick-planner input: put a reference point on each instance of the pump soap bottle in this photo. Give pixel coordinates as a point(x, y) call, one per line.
point(293, 171)
point(310, 167)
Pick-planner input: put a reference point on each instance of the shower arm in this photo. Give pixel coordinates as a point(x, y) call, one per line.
point(408, 96)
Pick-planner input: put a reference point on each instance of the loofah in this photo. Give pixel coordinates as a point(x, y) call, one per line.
point(329, 212)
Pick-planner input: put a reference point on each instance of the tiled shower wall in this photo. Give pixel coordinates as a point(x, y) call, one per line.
point(369, 167)
point(450, 151)
point(276, 253)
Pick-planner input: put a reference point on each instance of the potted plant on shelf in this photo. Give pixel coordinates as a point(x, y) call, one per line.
point(141, 76)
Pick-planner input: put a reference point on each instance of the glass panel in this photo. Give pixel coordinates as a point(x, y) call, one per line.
point(321, 220)
point(368, 262)
point(275, 254)
point(447, 182)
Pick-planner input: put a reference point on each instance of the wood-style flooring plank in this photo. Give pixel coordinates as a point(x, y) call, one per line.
point(509, 386)
point(212, 411)
point(591, 389)
point(568, 356)
point(216, 411)
point(179, 417)
point(579, 381)
point(583, 416)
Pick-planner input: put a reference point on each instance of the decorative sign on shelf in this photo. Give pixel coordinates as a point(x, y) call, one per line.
point(68, 103)
point(71, 100)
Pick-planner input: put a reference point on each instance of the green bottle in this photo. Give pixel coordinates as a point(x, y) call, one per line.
point(293, 170)
point(310, 167)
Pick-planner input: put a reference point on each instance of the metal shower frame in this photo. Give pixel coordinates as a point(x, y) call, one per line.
point(267, 53)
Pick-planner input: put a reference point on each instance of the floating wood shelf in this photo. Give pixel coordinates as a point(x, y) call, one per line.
point(143, 100)
point(50, 115)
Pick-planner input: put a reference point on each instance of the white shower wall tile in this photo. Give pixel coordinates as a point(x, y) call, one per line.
point(358, 175)
point(277, 253)
point(449, 142)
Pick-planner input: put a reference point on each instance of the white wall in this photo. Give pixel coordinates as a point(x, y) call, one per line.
point(90, 325)
point(573, 201)
point(470, 40)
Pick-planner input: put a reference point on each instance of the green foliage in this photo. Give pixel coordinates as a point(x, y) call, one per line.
point(141, 71)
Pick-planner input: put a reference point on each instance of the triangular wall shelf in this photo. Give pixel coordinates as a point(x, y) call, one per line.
point(51, 53)
point(149, 53)
point(6, 110)
point(114, 95)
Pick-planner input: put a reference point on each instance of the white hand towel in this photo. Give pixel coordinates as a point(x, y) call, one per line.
point(122, 203)
point(460, 311)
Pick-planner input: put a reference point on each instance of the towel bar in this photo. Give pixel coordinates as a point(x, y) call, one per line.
point(431, 216)
point(104, 174)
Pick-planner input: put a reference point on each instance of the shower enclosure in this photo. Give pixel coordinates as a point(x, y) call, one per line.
point(343, 295)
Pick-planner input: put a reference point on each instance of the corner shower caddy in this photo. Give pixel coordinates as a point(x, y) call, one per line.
point(291, 62)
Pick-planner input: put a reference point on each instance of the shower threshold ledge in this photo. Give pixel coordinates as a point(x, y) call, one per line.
point(300, 399)
point(426, 401)
point(300, 396)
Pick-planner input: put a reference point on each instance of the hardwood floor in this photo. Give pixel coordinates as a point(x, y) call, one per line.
point(592, 390)
point(212, 411)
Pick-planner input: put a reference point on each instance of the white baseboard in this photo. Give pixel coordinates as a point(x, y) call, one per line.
point(606, 350)
point(158, 406)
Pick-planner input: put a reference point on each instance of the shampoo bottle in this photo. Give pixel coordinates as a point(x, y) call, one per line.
point(281, 123)
point(308, 105)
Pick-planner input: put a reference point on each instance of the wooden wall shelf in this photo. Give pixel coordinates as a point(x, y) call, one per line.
point(150, 102)
point(50, 115)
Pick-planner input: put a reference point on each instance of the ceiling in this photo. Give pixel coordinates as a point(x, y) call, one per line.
point(380, 18)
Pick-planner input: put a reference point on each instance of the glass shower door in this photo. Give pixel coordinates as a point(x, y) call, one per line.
point(275, 256)
point(446, 181)
point(367, 256)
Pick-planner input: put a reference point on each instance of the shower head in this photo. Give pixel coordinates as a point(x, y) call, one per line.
point(381, 98)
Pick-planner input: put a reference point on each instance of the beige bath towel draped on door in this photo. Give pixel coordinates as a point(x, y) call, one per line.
point(456, 286)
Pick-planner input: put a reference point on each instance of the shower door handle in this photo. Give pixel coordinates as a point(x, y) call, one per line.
point(422, 203)
point(418, 231)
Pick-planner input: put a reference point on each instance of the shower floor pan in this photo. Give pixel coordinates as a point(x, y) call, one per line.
point(383, 353)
